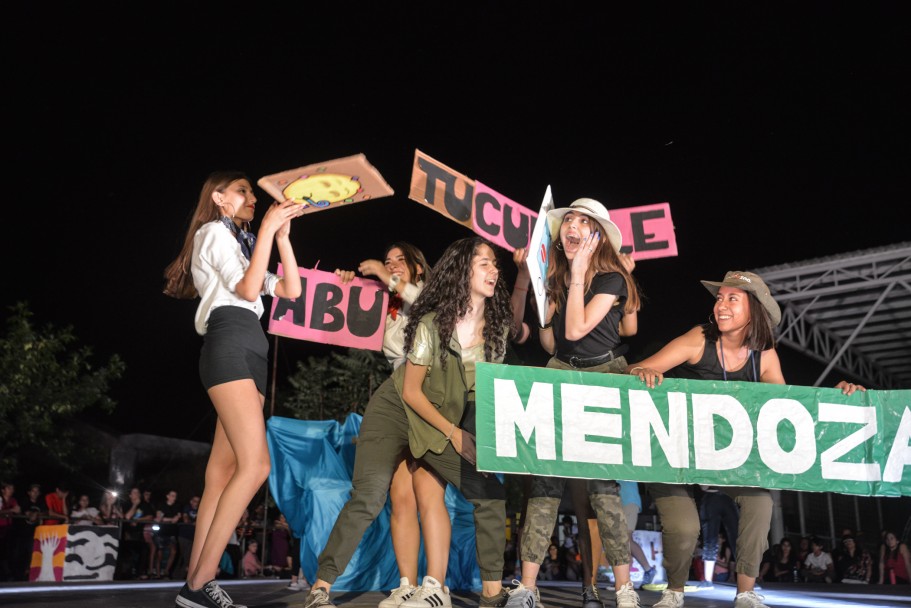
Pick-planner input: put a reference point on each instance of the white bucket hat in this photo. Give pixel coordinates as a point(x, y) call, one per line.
point(591, 208)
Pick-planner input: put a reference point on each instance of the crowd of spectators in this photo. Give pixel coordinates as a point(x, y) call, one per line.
point(850, 562)
point(156, 532)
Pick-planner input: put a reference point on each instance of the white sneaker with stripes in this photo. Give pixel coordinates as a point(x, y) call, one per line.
point(431, 594)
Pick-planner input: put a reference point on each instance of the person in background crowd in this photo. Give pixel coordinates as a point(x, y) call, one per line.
point(84, 514)
point(109, 508)
point(716, 509)
point(167, 517)
point(820, 568)
point(894, 561)
point(723, 559)
point(784, 566)
point(186, 528)
point(57, 508)
point(854, 563)
point(552, 568)
point(8, 508)
point(32, 507)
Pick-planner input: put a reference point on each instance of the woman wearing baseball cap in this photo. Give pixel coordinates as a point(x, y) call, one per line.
point(738, 343)
point(593, 302)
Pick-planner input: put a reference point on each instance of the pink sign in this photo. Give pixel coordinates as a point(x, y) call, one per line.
point(648, 231)
point(329, 312)
point(500, 219)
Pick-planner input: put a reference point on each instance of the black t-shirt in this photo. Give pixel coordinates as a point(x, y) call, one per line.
point(605, 335)
point(168, 511)
point(187, 530)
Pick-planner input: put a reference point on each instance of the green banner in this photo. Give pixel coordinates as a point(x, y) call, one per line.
point(607, 426)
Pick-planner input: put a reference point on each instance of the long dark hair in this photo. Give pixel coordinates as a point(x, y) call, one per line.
point(448, 294)
point(604, 259)
point(760, 334)
point(414, 257)
point(178, 282)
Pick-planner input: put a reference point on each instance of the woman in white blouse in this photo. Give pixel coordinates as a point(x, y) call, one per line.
point(225, 265)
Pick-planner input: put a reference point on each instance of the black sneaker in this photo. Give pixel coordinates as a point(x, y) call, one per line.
point(590, 598)
point(210, 596)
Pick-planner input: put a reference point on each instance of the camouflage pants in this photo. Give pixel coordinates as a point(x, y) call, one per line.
point(541, 517)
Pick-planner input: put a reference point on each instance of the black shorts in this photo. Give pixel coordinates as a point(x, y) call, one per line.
point(234, 348)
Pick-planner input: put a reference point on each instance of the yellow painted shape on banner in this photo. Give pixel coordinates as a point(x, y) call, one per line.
point(329, 184)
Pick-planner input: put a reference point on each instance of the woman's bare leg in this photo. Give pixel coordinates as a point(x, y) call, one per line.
point(404, 525)
point(238, 466)
point(430, 491)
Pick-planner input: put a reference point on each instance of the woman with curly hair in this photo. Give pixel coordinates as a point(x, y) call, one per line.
point(463, 316)
point(594, 301)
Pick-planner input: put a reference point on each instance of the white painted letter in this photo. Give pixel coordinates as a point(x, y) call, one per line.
point(579, 424)
point(644, 418)
point(803, 456)
point(900, 454)
point(850, 471)
point(708, 457)
point(537, 418)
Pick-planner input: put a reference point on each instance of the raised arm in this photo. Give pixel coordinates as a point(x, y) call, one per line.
point(519, 296)
point(272, 229)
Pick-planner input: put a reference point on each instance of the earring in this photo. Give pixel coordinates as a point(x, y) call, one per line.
point(559, 245)
point(711, 318)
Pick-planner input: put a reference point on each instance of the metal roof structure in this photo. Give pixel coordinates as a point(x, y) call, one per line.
point(852, 312)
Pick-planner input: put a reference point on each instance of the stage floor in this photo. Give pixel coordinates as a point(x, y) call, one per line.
point(271, 593)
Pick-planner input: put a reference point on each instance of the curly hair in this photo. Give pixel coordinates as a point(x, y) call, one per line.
point(448, 294)
point(604, 259)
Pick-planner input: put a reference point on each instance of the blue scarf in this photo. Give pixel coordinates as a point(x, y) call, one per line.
point(246, 240)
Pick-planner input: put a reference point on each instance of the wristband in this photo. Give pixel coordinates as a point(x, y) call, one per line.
point(451, 431)
point(635, 368)
point(393, 282)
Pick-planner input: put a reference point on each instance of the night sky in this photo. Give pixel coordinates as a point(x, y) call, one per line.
point(775, 131)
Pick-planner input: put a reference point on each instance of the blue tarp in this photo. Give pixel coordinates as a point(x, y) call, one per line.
point(312, 462)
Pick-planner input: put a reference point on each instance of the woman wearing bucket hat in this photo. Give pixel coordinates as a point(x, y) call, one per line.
point(593, 303)
point(738, 343)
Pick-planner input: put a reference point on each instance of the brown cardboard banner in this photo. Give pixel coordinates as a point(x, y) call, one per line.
point(329, 184)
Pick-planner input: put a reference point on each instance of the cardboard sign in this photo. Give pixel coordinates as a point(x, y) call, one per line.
point(648, 231)
point(328, 312)
point(329, 184)
point(538, 252)
point(471, 204)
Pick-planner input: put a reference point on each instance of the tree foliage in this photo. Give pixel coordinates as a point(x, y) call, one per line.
point(46, 379)
point(335, 386)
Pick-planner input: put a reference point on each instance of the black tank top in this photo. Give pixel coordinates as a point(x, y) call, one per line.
point(710, 368)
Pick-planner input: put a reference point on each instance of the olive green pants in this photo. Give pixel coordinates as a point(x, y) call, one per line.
point(680, 528)
point(383, 436)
